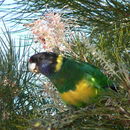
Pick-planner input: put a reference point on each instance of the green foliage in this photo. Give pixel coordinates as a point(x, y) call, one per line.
point(18, 88)
point(111, 112)
point(92, 15)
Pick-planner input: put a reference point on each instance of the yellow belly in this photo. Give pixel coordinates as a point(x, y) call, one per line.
point(80, 95)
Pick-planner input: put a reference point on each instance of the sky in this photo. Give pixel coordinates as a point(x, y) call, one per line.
point(17, 31)
point(17, 36)
point(5, 10)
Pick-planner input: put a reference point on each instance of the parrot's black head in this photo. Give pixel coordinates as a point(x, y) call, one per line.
point(45, 63)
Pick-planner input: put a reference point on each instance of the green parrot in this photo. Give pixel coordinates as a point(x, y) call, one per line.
point(77, 82)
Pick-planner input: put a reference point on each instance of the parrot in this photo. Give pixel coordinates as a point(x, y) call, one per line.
point(77, 82)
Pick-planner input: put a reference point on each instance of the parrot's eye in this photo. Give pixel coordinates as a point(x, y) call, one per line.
point(30, 60)
point(51, 58)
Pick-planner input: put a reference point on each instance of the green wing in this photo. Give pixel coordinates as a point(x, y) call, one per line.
point(72, 72)
point(79, 83)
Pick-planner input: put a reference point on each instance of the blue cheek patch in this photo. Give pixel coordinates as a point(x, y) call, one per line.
point(45, 69)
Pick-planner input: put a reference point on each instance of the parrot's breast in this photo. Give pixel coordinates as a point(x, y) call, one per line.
point(81, 95)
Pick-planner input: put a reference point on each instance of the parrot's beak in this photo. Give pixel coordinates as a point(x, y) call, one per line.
point(33, 68)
